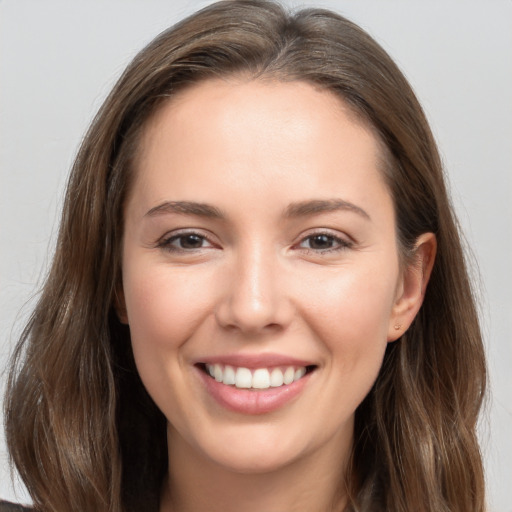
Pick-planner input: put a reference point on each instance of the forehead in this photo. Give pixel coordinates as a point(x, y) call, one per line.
point(239, 99)
point(283, 137)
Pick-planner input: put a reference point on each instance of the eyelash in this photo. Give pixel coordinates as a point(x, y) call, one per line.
point(166, 242)
point(341, 244)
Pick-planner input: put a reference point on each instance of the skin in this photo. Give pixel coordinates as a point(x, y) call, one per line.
point(257, 282)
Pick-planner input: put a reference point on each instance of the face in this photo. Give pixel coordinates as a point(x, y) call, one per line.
point(261, 278)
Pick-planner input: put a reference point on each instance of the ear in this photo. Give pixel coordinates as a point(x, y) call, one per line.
point(412, 286)
point(120, 304)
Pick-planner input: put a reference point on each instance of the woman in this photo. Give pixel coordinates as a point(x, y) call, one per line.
point(258, 297)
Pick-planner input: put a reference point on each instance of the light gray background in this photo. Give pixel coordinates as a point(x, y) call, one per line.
point(58, 60)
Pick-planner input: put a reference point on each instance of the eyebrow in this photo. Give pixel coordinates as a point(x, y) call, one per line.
point(294, 210)
point(318, 206)
point(186, 208)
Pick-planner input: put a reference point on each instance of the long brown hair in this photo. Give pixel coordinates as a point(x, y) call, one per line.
point(82, 431)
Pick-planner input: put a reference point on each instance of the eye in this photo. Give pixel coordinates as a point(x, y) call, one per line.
point(185, 242)
point(323, 242)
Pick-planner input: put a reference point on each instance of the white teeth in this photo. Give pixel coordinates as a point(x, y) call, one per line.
point(229, 376)
point(217, 372)
point(299, 373)
point(289, 375)
point(243, 378)
point(261, 378)
point(276, 378)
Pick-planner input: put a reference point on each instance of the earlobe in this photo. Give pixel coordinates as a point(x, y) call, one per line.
point(413, 285)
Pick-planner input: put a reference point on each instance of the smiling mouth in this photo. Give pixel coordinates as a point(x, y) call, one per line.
point(257, 379)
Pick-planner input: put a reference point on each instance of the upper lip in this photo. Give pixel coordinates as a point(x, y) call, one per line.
point(254, 361)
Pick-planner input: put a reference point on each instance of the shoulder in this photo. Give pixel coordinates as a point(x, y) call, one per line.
point(6, 506)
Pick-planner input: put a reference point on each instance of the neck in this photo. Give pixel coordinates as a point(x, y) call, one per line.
point(311, 484)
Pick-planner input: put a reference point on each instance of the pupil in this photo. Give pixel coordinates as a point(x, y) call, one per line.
point(191, 242)
point(321, 242)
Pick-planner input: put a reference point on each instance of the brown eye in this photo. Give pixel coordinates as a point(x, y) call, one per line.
point(185, 242)
point(320, 242)
point(323, 242)
point(191, 241)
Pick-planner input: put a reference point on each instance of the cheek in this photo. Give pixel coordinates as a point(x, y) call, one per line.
point(164, 308)
point(164, 311)
point(354, 299)
point(350, 320)
point(349, 312)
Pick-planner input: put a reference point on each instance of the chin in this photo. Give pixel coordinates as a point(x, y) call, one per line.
point(255, 462)
point(254, 452)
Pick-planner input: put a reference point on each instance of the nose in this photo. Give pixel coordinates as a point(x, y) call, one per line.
point(255, 298)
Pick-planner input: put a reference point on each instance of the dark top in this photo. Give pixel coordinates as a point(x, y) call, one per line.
point(5, 506)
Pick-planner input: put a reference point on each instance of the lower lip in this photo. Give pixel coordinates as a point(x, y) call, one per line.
point(252, 401)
